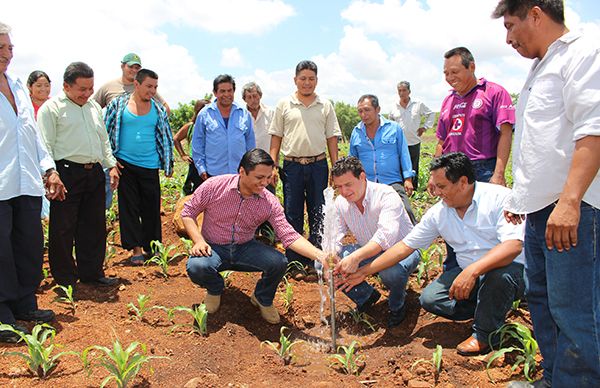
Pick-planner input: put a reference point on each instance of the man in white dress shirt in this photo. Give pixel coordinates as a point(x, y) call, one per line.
point(372, 212)
point(489, 275)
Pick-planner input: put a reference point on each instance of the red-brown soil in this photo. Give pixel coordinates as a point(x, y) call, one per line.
point(231, 354)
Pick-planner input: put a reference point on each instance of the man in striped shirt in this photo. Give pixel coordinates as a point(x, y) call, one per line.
point(372, 212)
point(234, 205)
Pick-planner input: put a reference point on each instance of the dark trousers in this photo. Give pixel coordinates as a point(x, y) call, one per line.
point(21, 255)
point(192, 181)
point(78, 220)
point(304, 183)
point(399, 187)
point(139, 206)
point(415, 152)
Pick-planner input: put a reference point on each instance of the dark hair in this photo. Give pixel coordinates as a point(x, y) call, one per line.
point(553, 8)
point(371, 97)
point(142, 74)
point(198, 106)
point(306, 65)
point(253, 158)
point(35, 75)
point(222, 79)
point(77, 70)
point(466, 58)
point(456, 165)
point(347, 164)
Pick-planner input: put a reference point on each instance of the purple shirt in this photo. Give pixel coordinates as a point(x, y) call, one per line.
point(471, 124)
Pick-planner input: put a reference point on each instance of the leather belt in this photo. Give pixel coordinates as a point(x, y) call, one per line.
point(86, 166)
point(305, 159)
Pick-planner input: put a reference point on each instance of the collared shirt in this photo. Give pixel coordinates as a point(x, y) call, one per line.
point(115, 88)
point(163, 133)
point(217, 148)
point(23, 154)
point(261, 127)
point(471, 123)
point(385, 158)
point(482, 227)
point(304, 129)
point(74, 132)
point(229, 218)
point(559, 104)
point(409, 119)
point(384, 220)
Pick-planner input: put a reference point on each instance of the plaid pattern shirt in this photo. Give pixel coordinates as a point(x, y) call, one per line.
point(164, 136)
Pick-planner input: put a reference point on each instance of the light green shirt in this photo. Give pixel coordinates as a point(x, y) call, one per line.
point(75, 133)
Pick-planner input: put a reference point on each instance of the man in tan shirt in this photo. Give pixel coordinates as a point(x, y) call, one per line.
point(303, 127)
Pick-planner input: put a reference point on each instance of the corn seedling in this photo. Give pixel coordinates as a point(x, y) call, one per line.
point(349, 361)
point(39, 357)
point(288, 295)
point(519, 333)
point(435, 361)
point(45, 273)
point(515, 305)
point(122, 364)
point(187, 243)
point(295, 266)
point(284, 347)
point(426, 263)
point(361, 318)
point(226, 275)
point(268, 233)
point(198, 312)
point(66, 297)
point(160, 256)
point(142, 307)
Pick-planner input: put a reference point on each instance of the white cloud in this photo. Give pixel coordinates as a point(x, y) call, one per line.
point(231, 57)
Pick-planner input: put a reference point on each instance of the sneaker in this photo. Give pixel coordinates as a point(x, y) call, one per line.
point(396, 317)
point(375, 295)
point(10, 337)
point(269, 313)
point(38, 316)
point(212, 303)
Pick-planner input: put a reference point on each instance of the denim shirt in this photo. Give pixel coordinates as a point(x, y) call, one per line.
point(385, 158)
point(218, 148)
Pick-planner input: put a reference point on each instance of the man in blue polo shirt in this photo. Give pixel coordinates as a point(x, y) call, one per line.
point(223, 132)
point(382, 149)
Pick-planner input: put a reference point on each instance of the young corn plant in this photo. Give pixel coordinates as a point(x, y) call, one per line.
point(226, 275)
point(288, 295)
point(187, 243)
point(427, 262)
point(295, 266)
point(361, 318)
point(160, 256)
point(349, 362)
point(526, 345)
point(436, 362)
point(269, 233)
point(39, 356)
point(122, 364)
point(198, 313)
point(142, 307)
point(66, 297)
point(284, 347)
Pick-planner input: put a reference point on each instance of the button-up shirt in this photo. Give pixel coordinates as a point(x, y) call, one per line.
point(23, 154)
point(385, 158)
point(559, 104)
point(261, 127)
point(409, 119)
point(482, 227)
point(230, 218)
point(383, 221)
point(218, 148)
point(75, 133)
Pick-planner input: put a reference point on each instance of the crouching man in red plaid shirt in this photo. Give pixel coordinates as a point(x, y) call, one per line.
point(234, 206)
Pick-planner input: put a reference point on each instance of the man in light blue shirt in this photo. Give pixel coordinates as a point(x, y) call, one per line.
point(381, 147)
point(223, 132)
point(23, 160)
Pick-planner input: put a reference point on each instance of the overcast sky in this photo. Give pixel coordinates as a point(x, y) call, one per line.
point(359, 46)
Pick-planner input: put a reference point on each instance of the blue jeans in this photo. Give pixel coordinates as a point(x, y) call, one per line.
point(304, 183)
point(394, 278)
point(488, 303)
point(564, 300)
point(252, 256)
point(108, 189)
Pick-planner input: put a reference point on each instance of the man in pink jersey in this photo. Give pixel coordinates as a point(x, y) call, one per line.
point(234, 205)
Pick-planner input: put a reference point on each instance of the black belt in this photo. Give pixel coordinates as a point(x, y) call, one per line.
point(86, 166)
point(305, 159)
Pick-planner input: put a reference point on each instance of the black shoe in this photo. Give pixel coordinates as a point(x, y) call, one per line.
point(375, 295)
point(102, 282)
point(396, 317)
point(38, 316)
point(10, 337)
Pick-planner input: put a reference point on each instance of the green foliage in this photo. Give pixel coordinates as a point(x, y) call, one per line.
point(181, 115)
point(295, 266)
point(187, 243)
point(526, 345)
point(268, 232)
point(198, 313)
point(349, 361)
point(226, 277)
point(284, 347)
point(160, 256)
point(427, 261)
point(142, 307)
point(288, 295)
point(45, 273)
point(361, 318)
point(39, 357)
point(436, 361)
point(122, 364)
point(347, 116)
point(67, 297)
